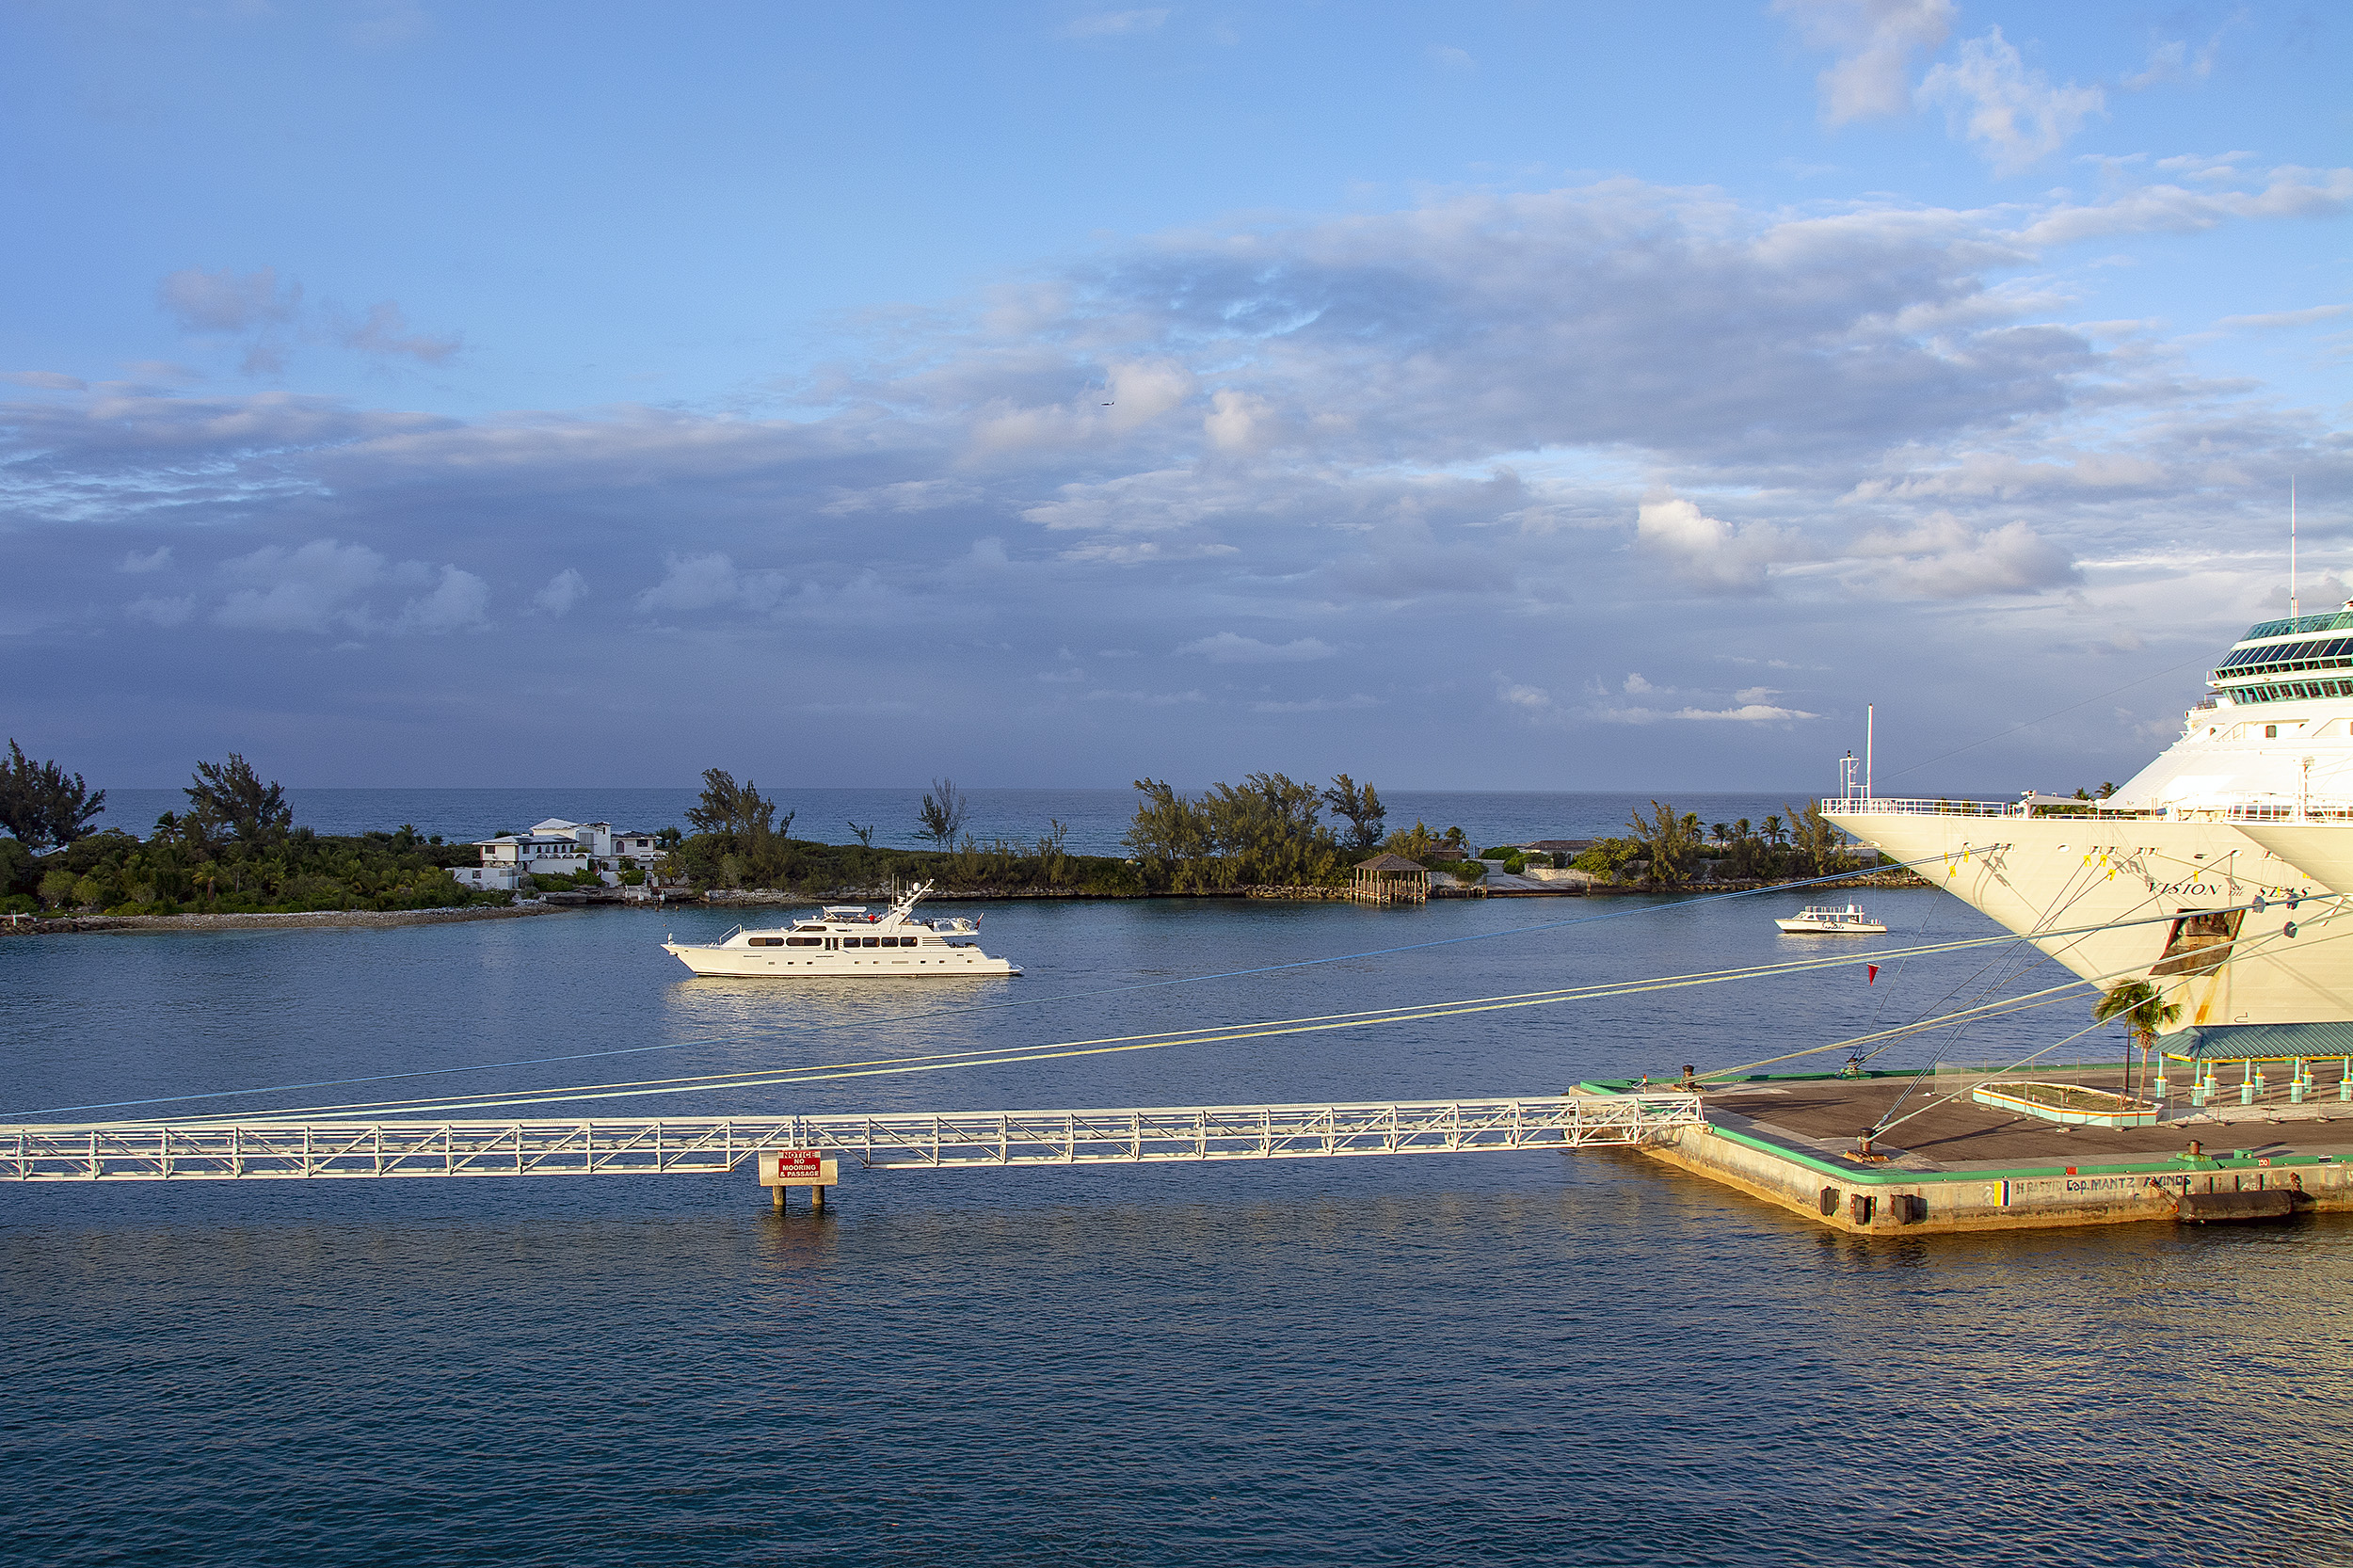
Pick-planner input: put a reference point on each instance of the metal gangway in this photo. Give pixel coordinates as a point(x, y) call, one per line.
point(263, 1148)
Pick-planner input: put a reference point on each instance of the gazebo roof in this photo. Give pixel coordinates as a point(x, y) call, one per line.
point(1389, 863)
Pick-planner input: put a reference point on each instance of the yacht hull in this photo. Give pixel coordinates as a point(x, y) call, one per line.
point(2128, 879)
point(805, 964)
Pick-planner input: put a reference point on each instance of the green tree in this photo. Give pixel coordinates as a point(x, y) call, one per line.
point(231, 796)
point(1772, 831)
point(1667, 841)
point(2143, 1010)
point(1816, 839)
point(1361, 806)
point(739, 810)
point(40, 804)
point(942, 815)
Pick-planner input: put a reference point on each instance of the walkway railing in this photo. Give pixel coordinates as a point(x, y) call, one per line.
point(211, 1151)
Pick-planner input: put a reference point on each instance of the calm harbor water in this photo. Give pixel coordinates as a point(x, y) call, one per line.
point(1494, 1358)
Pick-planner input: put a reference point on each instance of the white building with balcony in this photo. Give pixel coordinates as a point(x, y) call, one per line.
point(555, 848)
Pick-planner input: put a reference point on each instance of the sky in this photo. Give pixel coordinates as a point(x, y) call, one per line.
point(1516, 397)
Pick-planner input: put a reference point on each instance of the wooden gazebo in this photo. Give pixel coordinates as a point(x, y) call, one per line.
point(1390, 879)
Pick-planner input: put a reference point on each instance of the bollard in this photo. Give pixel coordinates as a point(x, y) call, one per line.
point(2345, 1078)
point(2248, 1085)
point(2300, 1085)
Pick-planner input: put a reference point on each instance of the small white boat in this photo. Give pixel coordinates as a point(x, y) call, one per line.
point(845, 939)
point(1820, 919)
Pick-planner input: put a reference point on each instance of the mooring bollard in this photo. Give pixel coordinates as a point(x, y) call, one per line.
point(2251, 1085)
point(2300, 1085)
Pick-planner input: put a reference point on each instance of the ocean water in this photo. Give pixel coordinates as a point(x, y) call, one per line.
point(1095, 819)
point(1494, 1358)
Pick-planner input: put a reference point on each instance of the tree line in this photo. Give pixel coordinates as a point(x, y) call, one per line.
point(234, 849)
point(1666, 847)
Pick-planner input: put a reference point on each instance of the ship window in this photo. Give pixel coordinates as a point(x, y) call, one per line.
point(874, 941)
point(2271, 732)
point(804, 941)
point(766, 942)
point(2199, 942)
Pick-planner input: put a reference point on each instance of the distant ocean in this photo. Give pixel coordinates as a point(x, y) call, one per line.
point(1096, 818)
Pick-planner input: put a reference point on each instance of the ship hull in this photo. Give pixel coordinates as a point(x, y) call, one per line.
point(2128, 880)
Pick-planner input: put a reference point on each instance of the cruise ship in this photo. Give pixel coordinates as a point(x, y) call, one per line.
point(2253, 804)
point(842, 939)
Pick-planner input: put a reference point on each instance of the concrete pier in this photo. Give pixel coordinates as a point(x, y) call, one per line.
point(1959, 1165)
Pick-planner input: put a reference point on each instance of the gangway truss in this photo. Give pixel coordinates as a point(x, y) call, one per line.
point(263, 1148)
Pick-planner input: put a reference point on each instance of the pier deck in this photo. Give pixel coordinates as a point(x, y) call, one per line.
point(1959, 1165)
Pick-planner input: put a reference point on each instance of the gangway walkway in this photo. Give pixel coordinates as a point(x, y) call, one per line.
point(961, 1140)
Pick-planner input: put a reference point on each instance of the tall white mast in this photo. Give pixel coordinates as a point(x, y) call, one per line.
point(2291, 547)
point(1871, 722)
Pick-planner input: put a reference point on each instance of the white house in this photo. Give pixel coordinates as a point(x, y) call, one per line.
point(555, 848)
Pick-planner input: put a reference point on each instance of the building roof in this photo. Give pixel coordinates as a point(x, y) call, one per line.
point(1389, 863)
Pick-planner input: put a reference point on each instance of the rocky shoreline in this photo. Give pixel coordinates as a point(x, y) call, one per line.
point(769, 898)
point(58, 924)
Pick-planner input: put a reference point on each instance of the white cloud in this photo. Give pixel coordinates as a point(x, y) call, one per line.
point(1228, 648)
point(2292, 192)
point(2171, 61)
point(1236, 420)
point(385, 331)
point(1116, 24)
point(1944, 558)
point(459, 603)
point(1748, 713)
point(317, 588)
point(1134, 393)
point(323, 586)
point(1446, 57)
point(1147, 700)
point(1875, 42)
point(160, 610)
point(2310, 316)
point(1635, 686)
point(44, 380)
point(2013, 114)
point(563, 591)
point(1317, 705)
point(709, 581)
point(155, 560)
point(1711, 555)
point(227, 302)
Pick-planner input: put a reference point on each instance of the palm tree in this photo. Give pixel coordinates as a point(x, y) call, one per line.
point(2144, 1011)
point(1772, 831)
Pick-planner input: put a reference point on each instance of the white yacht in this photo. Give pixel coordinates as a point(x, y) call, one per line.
point(1820, 919)
point(2254, 800)
point(846, 939)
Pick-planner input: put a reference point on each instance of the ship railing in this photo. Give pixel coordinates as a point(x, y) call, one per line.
point(1879, 806)
point(2323, 811)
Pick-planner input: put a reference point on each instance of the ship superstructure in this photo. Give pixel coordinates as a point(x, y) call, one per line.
point(2253, 801)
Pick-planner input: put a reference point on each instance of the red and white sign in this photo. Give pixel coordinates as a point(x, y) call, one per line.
point(795, 1167)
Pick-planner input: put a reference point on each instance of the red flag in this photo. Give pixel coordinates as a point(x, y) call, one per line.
point(1871, 978)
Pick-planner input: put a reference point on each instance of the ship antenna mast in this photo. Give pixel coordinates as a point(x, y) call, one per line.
point(2291, 550)
point(1870, 723)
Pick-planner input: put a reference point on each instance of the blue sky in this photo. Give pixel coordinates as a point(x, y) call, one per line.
point(1517, 397)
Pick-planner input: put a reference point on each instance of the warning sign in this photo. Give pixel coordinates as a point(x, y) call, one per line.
point(796, 1168)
